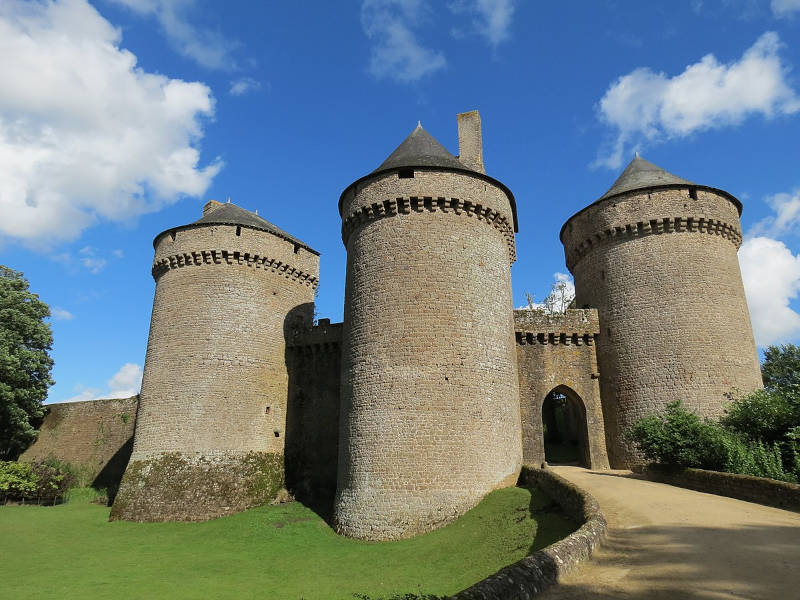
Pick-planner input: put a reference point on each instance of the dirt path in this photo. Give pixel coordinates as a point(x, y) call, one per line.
point(668, 542)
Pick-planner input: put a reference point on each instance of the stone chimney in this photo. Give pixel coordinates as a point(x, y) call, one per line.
point(470, 143)
point(210, 206)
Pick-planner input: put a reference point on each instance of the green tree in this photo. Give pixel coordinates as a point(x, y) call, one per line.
point(781, 367)
point(25, 363)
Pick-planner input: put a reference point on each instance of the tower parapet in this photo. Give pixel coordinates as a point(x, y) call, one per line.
point(430, 396)
point(656, 255)
point(230, 289)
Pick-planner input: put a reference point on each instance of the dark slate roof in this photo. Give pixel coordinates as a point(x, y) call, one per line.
point(421, 150)
point(641, 174)
point(231, 214)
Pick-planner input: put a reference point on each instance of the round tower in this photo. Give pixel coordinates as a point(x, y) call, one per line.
point(430, 418)
point(656, 255)
point(230, 289)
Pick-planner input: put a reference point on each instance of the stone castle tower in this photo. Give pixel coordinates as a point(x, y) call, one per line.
point(433, 389)
point(656, 255)
point(230, 288)
point(430, 396)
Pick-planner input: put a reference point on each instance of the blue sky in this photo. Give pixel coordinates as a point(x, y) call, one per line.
point(120, 118)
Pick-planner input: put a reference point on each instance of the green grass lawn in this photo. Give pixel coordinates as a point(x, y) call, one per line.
point(271, 552)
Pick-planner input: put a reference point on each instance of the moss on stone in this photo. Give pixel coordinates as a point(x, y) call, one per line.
point(173, 486)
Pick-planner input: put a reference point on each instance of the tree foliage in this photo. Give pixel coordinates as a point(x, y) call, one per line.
point(25, 363)
point(781, 367)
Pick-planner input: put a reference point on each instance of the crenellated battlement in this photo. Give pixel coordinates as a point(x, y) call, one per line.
point(575, 321)
point(232, 257)
point(422, 204)
point(324, 337)
point(696, 224)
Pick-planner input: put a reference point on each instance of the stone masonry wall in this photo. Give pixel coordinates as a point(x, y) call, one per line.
point(215, 380)
point(557, 352)
point(430, 396)
point(312, 417)
point(662, 271)
point(93, 436)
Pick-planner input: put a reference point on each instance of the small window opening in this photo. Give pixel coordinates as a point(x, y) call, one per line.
point(238, 230)
point(296, 248)
point(266, 411)
point(277, 433)
point(693, 193)
point(406, 173)
point(603, 275)
point(172, 235)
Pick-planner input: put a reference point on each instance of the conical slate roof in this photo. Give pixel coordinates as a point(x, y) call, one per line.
point(641, 174)
point(420, 149)
point(231, 214)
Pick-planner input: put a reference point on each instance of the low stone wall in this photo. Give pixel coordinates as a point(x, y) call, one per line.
point(761, 490)
point(533, 574)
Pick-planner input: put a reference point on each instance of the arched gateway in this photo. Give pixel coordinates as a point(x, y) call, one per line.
point(558, 373)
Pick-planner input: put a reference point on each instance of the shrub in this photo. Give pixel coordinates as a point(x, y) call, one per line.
point(679, 438)
point(35, 482)
point(17, 480)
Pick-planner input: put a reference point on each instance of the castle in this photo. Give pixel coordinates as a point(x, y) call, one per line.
point(430, 394)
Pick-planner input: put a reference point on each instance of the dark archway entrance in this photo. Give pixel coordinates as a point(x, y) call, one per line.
point(566, 435)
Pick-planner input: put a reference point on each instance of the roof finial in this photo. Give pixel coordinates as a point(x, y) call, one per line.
point(229, 199)
point(256, 211)
point(636, 154)
point(419, 124)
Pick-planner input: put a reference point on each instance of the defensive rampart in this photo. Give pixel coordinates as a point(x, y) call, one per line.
point(313, 361)
point(94, 436)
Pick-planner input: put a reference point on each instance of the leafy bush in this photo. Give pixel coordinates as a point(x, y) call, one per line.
point(679, 438)
point(35, 482)
point(17, 480)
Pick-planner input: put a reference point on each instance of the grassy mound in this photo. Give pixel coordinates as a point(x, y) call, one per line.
point(281, 552)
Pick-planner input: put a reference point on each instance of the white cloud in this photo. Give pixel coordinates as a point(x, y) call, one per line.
point(785, 8)
point(786, 219)
point(83, 395)
point(771, 275)
point(124, 383)
point(243, 85)
point(84, 133)
point(93, 263)
point(60, 314)
point(207, 48)
point(491, 18)
point(397, 53)
point(645, 106)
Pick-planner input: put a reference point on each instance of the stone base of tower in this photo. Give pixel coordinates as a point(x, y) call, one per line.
point(383, 515)
point(182, 487)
